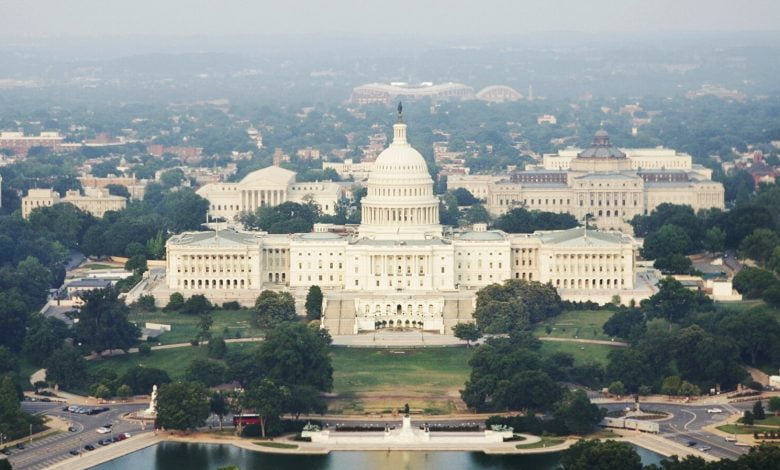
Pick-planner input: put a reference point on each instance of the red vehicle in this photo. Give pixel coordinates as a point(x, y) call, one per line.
point(245, 419)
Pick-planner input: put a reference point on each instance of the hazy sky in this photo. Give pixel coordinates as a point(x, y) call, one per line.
point(225, 17)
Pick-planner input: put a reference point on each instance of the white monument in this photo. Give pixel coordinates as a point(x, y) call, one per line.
point(151, 411)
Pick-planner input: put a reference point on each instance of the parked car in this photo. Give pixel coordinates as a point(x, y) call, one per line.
point(103, 430)
point(89, 447)
point(74, 452)
point(20, 446)
point(104, 442)
point(704, 448)
point(691, 443)
point(714, 410)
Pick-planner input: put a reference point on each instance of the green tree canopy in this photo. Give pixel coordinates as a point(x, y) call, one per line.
point(103, 323)
point(182, 406)
point(273, 308)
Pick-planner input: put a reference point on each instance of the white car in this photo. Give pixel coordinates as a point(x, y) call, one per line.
point(103, 430)
point(714, 410)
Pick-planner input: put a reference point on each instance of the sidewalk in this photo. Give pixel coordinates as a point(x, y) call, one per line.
point(104, 454)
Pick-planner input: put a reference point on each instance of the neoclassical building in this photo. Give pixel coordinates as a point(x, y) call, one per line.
point(610, 185)
point(401, 267)
point(270, 186)
point(96, 201)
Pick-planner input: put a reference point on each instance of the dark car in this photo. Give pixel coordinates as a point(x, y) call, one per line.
point(691, 443)
point(104, 442)
point(72, 429)
point(74, 452)
point(89, 447)
point(20, 446)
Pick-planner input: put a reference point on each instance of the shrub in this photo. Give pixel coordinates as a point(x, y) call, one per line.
point(232, 305)
point(144, 349)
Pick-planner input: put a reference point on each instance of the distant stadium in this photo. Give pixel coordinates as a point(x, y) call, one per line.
point(389, 93)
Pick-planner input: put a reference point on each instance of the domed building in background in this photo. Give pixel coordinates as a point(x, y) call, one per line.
point(400, 268)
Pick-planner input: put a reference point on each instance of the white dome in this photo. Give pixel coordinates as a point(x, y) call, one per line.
point(400, 202)
point(399, 158)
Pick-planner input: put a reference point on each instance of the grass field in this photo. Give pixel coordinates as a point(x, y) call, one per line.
point(583, 353)
point(276, 445)
point(173, 361)
point(744, 429)
point(185, 327)
point(371, 380)
point(545, 442)
point(583, 324)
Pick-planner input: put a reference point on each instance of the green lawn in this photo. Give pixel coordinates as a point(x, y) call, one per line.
point(276, 445)
point(769, 421)
point(545, 442)
point(174, 361)
point(583, 324)
point(583, 353)
point(185, 327)
point(435, 369)
point(744, 429)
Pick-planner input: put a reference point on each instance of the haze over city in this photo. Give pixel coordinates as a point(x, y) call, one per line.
point(428, 235)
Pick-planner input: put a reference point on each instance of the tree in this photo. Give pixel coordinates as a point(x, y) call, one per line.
point(477, 214)
point(631, 367)
point(758, 410)
point(206, 371)
point(449, 214)
point(674, 264)
point(14, 318)
point(44, 335)
point(103, 323)
point(531, 390)
point(467, 332)
point(102, 391)
point(118, 190)
point(314, 303)
point(617, 388)
point(218, 405)
point(304, 399)
point(217, 347)
point(625, 323)
point(464, 197)
point(752, 282)
point(671, 385)
point(146, 303)
point(272, 308)
point(14, 423)
point(774, 405)
point(715, 240)
point(197, 304)
point(674, 302)
point(577, 412)
point(668, 240)
point(183, 210)
point(267, 399)
point(515, 304)
point(688, 389)
point(175, 302)
point(287, 217)
point(748, 418)
point(66, 367)
point(204, 327)
point(755, 332)
point(137, 264)
point(602, 455)
point(521, 220)
point(759, 245)
point(294, 354)
point(182, 406)
point(124, 391)
point(142, 379)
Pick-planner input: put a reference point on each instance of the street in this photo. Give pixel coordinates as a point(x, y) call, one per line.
point(687, 422)
point(52, 449)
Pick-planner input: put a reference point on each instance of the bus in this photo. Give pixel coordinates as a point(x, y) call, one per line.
point(245, 419)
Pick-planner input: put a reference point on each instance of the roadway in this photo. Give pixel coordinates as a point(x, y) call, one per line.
point(687, 422)
point(46, 452)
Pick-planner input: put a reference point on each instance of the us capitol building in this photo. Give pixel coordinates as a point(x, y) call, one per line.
point(401, 267)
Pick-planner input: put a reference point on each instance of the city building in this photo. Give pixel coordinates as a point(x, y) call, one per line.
point(135, 187)
point(390, 93)
point(608, 184)
point(546, 119)
point(96, 201)
point(358, 171)
point(270, 186)
point(401, 266)
point(20, 144)
point(309, 153)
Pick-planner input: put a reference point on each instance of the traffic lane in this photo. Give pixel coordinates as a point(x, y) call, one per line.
point(86, 425)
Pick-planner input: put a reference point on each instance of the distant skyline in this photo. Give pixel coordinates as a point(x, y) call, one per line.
point(25, 18)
